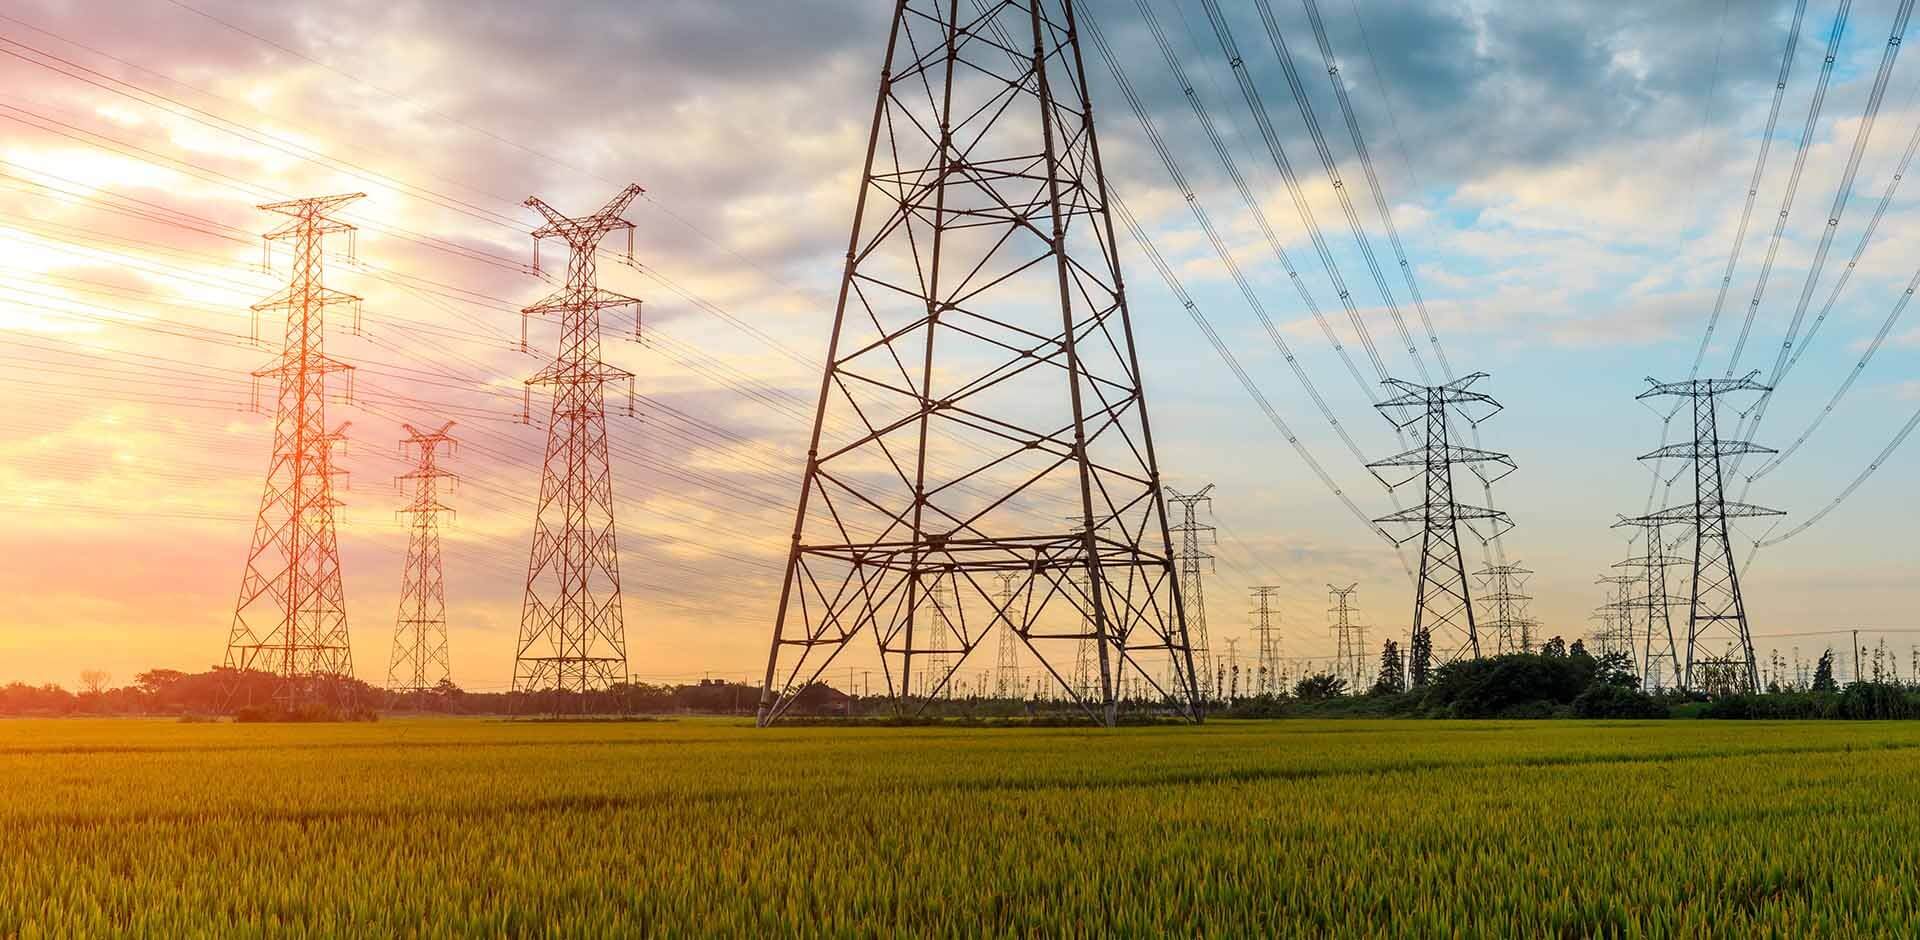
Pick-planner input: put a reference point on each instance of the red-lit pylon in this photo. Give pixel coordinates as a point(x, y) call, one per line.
point(420, 631)
point(572, 632)
point(291, 616)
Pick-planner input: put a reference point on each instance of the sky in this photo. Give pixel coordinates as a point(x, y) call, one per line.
point(1566, 179)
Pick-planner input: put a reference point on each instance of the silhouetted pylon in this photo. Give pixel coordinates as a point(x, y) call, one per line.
point(1006, 673)
point(1266, 635)
point(419, 661)
point(1719, 653)
point(1506, 599)
point(572, 628)
point(1349, 638)
point(982, 372)
point(291, 615)
point(1443, 602)
point(1195, 561)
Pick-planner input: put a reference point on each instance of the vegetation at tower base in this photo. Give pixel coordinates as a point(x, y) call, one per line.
point(1561, 681)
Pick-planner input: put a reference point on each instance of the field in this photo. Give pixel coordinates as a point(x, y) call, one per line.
point(1347, 828)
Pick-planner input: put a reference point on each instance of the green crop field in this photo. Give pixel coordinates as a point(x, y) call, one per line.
point(1347, 828)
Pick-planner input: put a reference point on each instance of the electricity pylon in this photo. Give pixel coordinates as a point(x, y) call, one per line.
point(1006, 673)
point(419, 660)
point(981, 366)
point(291, 615)
point(941, 613)
point(1266, 635)
point(1659, 650)
point(1349, 638)
point(1719, 655)
point(1191, 550)
point(1504, 594)
point(1615, 615)
point(1443, 602)
point(572, 628)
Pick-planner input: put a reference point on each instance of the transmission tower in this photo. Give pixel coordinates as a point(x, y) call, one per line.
point(572, 629)
point(1616, 616)
point(1719, 655)
point(1504, 594)
point(1443, 603)
point(1194, 538)
point(1659, 650)
point(941, 629)
point(419, 660)
point(982, 365)
point(1006, 673)
point(1266, 634)
point(291, 615)
point(1349, 638)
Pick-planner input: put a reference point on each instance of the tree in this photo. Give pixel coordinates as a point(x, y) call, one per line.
point(1579, 648)
point(1615, 669)
point(1823, 674)
point(155, 681)
point(1320, 685)
point(1422, 658)
point(1554, 647)
point(1393, 677)
point(94, 681)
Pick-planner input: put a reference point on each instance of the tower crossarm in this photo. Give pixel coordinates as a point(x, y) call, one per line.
point(586, 230)
point(567, 300)
point(1699, 450)
point(1691, 513)
point(1695, 388)
point(1413, 462)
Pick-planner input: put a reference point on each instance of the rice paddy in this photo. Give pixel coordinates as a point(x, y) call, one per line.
point(435, 828)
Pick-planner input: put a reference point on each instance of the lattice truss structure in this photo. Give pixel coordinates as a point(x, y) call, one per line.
point(419, 660)
point(1349, 638)
point(1657, 648)
point(291, 615)
point(981, 380)
point(1719, 653)
point(1192, 538)
point(572, 628)
point(1443, 601)
point(1504, 600)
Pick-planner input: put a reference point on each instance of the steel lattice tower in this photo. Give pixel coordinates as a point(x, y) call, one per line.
point(982, 360)
point(1349, 638)
point(1504, 591)
point(940, 614)
point(1655, 637)
point(1616, 615)
point(572, 628)
point(1719, 655)
point(291, 615)
point(1006, 672)
point(1266, 635)
point(419, 660)
point(1443, 602)
point(1193, 555)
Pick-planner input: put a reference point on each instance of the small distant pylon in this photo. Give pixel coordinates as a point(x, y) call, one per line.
point(419, 661)
point(1660, 663)
point(1191, 540)
point(1443, 602)
point(291, 615)
point(573, 634)
point(1006, 673)
point(1719, 654)
point(1504, 594)
point(941, 612)
point(1350, 639)
point(1615, 634)
point(1266, 633)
